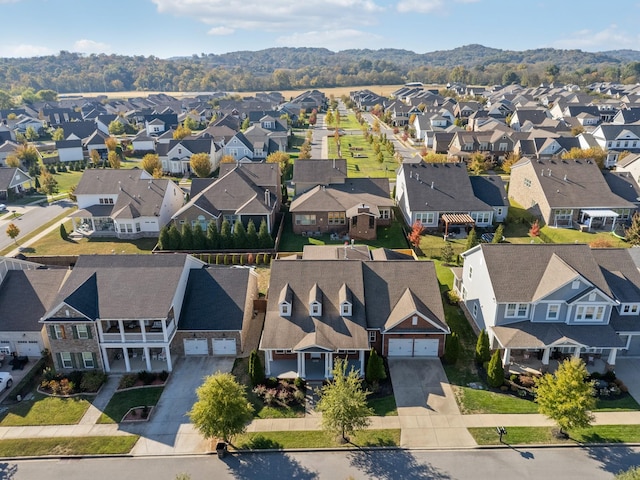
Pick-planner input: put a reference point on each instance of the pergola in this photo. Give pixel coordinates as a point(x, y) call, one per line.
point(456, 219)
point(604, 214)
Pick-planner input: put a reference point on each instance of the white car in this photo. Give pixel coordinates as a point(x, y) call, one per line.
point(6, 380)
point(3, 207)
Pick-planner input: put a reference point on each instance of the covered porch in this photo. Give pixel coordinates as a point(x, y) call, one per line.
point(94, 221)
point(451, 220)
point(126, 358)
point(310, 365)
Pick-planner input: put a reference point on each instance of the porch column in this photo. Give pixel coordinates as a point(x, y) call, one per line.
point(301, 365)
point(169, 363)
point(545, 356)
point(121, 328)
point(143, 331)
point(105, 359)
point(327, 363)
point(100, 332)
point(362, 363)
point(506, 357)
point(611, 359)
point(93, 225)
point(147, 358)
point(127, 365)
point(268, 356)
point(576, 352)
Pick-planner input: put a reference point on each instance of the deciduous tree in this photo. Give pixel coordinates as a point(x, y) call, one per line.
point(48, 184)
point(114, 159)
point(111, 143)
point(200, 164)
point(415, 234)
point(222, 410)
point(343, 402)
point(13, 231)
point(632, 234)
point(150, 162)
point(181, 132)
point(566, 397)
point(116, 128)
point(58, 134)
point(281, 158)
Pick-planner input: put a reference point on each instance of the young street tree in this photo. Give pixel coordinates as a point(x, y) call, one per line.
point(200, 164)
point(343, 403)
point(151, 162)
point(222, 410)
point(13, 231)
point(566, 397)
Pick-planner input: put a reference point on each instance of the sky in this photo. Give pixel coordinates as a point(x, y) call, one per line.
point(168, 28)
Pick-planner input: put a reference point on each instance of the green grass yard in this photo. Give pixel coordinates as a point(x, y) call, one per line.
point(44, 410)
point(62, 446)
point(362, 162)
point(544, 435)
point(122, 402)
point(315, 439)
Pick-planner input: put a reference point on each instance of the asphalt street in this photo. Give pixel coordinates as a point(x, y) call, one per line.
point(31, 218)
point(593, 463)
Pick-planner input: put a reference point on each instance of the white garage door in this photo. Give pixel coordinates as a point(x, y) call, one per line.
point(224, 346)
point(425, 347)
point(196, 346)
point(30, 348)
point(408, 347)
point(400, 347)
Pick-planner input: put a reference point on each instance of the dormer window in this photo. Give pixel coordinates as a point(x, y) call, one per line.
point(345, 309)
point(315, 310)
point(346, 305)
point(284, 302)
point(630, 309)
point(315, 301)
point(285, 310)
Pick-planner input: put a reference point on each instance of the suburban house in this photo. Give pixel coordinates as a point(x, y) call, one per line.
point(552, 300)
point(615, 139)
point(35, 287)
point(176, 155)
point(239, 194)
point(218, 312)
point(320, 310)
point(13, 182)
point(6, 149)
point(568, 193)
point(442, 194)
point(631, 165)
point(70, 150)
point(311, 173)
point(124, 203)
point(354, 207)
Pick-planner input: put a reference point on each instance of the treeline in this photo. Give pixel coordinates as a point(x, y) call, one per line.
point(195, 238)
point(300, 68)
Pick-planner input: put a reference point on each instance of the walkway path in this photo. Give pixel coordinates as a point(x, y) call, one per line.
point(99, 403)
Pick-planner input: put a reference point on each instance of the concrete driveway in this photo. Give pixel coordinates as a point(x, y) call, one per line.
point(427, 408)
point(169, 430)
point(628, 370)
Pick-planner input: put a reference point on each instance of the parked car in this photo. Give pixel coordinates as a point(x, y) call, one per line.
point(3, 207)
point(6, 380)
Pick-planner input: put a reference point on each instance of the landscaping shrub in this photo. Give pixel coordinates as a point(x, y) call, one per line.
point(609, 376)
point(146, 377)
point(299, 396)
point(163, 375)
point(452, 348)
point(66, 386)
point(482, 348)
point(256, 372)
point(299, 383)
point(495, 370)
point(452, 297)
point(92, 381)
point(270, 396)
point(271, 382)
point(526, 381)
point(74, 377)
point(127, 381)
point(374, 371)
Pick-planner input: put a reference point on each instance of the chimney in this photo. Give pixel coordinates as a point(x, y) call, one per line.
point(565, 177)
point(433, 184)
point(549, 174)
point(418, 177)
point(411, 174)
point(267, 197)
point(542, 172)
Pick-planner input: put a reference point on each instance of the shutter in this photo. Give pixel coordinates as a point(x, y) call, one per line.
point(74, 330)
point(52, 332)
point(89, 331)
point(74, 363)
point(95, 360)
point(59, 358)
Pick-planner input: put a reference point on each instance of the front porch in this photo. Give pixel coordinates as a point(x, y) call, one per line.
point(539, 361)
point(126, 359)
point(310, 366)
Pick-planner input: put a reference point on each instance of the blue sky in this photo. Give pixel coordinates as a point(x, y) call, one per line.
point(167, 28)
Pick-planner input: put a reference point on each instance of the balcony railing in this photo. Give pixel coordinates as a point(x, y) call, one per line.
point(135, 335)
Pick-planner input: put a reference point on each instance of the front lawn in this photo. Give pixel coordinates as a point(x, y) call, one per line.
point(66, 180)
point(361, 159)
point(53, 244)
point(384, 406)
point(544, 435)
point(63, 446)
point(122, 402)
point(315, 439)
point(473, 401)
point(43, 410)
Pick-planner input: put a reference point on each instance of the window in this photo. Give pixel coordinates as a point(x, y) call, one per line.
point(65, 359)
point(414, 320)
point(385, 214)
point(82, 331)
point(425, 218)
point(230, 218)
point(481, 217)
point(630, 309)
point(470, 272)
point(475, 310)
point(502, 147)
point(337, 218)
point(138, 227)
point(517, 310)
point(575, 284)
point(527, 183)
point(372, 337)
point(285, 309)
point(315, 309)
point(58, 331)
point(106, 201)
point(590, 313)
point(345, 309)
point(553, 311)
point(87, 359)
point(305, 219)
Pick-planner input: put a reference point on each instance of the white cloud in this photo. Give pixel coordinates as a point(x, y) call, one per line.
point(331, 39)
point(221, 31)
point(273, 16)
point(611, 38)
point(427, 6)
point(24, 50)
point(90, 46)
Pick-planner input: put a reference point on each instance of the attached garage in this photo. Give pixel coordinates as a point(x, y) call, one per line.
point(29, 348)
point(196, 346)
point(224, 346)
point(410, 347)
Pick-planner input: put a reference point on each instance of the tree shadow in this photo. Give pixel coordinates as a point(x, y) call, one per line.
point(267, 465)
point(524, 454)
point(393, 464)
point(8, 471)
point(613, 458)
point(260, 442)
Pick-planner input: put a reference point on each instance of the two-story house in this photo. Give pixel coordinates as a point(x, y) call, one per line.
point(552, 300)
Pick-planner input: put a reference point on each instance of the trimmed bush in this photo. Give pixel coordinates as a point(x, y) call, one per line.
point(483, 354)
point(495, 370)
point(452, 348)
point(374, 371)
point(256, 372)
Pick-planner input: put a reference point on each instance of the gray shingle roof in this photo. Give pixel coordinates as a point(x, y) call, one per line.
point(373, 192)
point(490, 189)
point(320, 172)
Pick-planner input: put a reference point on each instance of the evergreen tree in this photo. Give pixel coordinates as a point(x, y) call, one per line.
point(632, 233)
point(199, 238)
point(375, 369)
point(213, 237)
point(447, 253)
point(186, 238)
point(472, 239)
point(226, 239)
point(256, 372)
point(495, 370)
point(164, 239)
point(483, 354)
point(264, 238)
point(63, 232)
point(252, 235)
point(497, 236)
point(175, 238)
point(452, 348)
point(239, 235)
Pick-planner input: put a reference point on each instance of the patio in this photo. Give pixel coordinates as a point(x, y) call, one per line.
point(530, 364)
